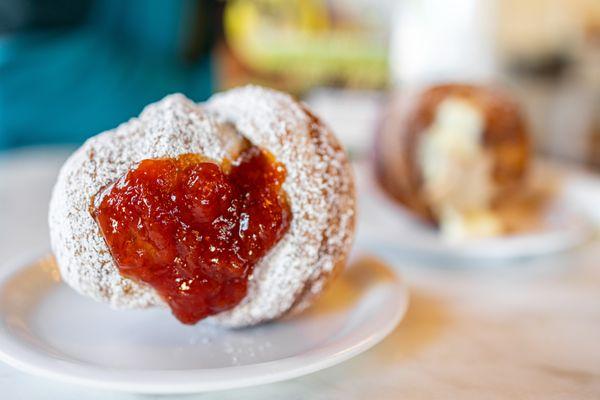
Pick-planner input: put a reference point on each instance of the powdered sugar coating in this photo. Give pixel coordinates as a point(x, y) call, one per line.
point(319, 186)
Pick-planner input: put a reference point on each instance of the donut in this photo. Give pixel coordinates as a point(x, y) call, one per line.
point(451, 153)
point(236, 211)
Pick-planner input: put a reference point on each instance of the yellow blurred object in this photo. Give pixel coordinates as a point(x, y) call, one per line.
point(305, 41)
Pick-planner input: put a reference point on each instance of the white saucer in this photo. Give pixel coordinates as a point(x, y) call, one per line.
point(571, 218)
point(49, 330)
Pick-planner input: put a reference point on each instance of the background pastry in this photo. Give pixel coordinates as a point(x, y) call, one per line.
point(452, 154)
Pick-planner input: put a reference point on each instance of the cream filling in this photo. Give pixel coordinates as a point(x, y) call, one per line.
point(457, 172)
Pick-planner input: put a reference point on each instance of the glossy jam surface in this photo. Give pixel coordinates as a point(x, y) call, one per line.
point(193, 230)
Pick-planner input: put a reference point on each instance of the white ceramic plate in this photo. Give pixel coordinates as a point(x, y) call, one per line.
point(572, 217)
point(49, 330)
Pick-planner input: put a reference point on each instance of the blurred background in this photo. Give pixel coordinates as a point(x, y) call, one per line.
point(69, 70)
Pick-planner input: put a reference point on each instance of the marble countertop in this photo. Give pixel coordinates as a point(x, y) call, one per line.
point(525, 330)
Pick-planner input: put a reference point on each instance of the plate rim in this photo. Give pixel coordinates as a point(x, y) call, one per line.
point(27, 360)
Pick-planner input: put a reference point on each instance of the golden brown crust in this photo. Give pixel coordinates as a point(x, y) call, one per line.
point(318, 283)
point(408, 117)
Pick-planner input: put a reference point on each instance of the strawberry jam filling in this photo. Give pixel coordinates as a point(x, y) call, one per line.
point(194, 230)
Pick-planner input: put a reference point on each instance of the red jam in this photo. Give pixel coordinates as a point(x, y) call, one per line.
point(193, 230)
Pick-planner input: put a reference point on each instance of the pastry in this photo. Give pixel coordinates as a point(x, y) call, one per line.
point(452, 154)
point(239, 210)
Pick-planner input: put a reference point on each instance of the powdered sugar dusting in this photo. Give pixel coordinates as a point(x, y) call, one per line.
point(319, 186)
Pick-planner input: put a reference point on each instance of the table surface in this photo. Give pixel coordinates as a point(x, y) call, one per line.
point(525, 330)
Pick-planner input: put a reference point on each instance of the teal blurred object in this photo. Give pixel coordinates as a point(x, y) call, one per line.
point(64, 84)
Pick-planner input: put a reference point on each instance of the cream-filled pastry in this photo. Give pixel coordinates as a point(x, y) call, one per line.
point(451, 154)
